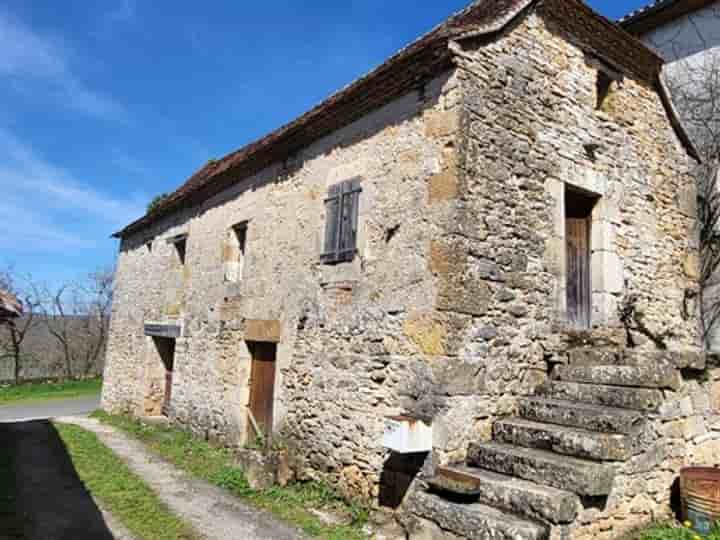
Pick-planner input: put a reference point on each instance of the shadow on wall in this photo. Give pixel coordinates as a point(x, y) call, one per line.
point(399, 472)
point(41, 495)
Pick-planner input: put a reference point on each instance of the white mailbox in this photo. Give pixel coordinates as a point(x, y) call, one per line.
point(407, 435)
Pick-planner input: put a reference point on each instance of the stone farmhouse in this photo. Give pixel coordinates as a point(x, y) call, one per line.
point(494, 232)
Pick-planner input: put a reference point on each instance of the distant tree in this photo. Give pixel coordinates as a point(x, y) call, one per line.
point(14, 332)
point(156, 202)
point(77, 315)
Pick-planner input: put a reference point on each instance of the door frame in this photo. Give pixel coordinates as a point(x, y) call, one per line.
point(579, 206)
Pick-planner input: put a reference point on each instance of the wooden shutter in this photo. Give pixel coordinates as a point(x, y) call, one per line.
point(349, 223)
point(332, 224)
point(342, 208)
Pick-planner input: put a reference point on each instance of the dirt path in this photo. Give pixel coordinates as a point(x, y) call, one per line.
point(210, 510)
point(52, 503)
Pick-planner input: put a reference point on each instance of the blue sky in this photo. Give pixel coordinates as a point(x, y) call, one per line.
point(105, 104)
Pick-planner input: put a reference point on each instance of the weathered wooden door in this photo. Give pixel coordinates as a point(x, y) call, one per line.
point(262, 388)
point(579, 294)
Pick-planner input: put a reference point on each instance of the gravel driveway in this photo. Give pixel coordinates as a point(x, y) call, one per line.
point(210, 510)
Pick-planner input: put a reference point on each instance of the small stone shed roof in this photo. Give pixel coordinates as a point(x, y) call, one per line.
point(658, 13)
point(10, 307)
point(428, 56)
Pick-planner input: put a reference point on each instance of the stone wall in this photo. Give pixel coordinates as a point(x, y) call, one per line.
point(456, 298)
point(349, 315)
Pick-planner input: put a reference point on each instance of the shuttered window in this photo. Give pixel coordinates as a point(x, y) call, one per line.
point(341, 222)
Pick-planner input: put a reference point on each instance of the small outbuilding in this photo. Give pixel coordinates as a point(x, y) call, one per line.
point(10, 306)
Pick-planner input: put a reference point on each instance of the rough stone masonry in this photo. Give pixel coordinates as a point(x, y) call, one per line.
point(452, 281)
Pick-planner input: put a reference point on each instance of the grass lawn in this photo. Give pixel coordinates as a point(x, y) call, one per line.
point(292, 504)
point(49, 390)
point(672, 532)
point(120, 491)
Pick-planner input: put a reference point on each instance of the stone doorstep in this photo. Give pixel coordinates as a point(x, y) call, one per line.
point(565, 440)
point(547, 468)
point(473, 521)
point(510, 494)
point(643, 399)
point(645, 376)
point(582, 415)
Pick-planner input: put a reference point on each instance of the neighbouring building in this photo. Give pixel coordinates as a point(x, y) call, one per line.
point(10, 307)
point(495, 232)
point(687, 35)
point(678, 30)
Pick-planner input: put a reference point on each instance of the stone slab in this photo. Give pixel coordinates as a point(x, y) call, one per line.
point(563, 472)
point(582, 415)
point(473, 521)
point(645, 376)
point(515, 495)
point(646, 399)
point(564, 440)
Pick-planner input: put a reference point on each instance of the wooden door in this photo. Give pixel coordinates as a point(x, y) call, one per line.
point(579, 296)
point(262, 388)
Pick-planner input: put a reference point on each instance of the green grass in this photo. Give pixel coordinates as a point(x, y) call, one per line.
point(673, 532)
point(291, 504)
point(121, 492)
point(45, 391)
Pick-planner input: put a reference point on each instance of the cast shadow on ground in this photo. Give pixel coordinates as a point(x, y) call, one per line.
point(50, 501)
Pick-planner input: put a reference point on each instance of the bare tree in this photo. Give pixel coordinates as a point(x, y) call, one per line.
point(692, 74)
point(76, 315)
point(14, 332)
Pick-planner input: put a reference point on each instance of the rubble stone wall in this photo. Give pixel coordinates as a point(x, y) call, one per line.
point(454, 306)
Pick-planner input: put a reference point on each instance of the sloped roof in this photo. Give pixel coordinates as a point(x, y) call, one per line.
point(404, 71)
point(10, 306)
point(658, 13)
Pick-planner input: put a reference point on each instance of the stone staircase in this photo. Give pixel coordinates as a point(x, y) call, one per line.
point(556, 457)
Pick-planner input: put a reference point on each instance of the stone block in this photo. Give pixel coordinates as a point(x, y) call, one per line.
point(691, 266)
point(603, 236)
point(263, 331)
point(607, 272)
point(427, 334)
point(444, 186)
point(694, 427)
point(687, 201)
point(707, 452)
point(715, 396)
point(440, 124)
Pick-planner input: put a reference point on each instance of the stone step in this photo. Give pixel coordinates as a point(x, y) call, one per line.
point(583, 356)
point(473, 520)
point(514, 495)
point(688, 359)
point(579, 476)
point(645, 376)
point(564, 440)
point(646, 399)
point(582, 415)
